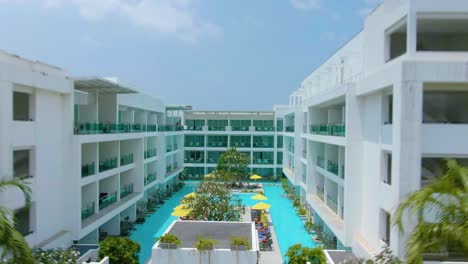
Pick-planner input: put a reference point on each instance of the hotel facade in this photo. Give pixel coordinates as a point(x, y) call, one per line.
point(367, 127)
point(375, 121)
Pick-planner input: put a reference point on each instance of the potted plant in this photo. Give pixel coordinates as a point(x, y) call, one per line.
point(309, 226)
point(296, 203)
point(239, 244)
point(205, 244)
point(169, 241)
point(302, 211)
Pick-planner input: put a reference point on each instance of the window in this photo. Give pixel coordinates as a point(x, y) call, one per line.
point(387, 173)
point(385, 226)
point(436, 33)
point(388, 109)
point(395, 39)
point(22, 107)
point(23, 220)
point(21, 163)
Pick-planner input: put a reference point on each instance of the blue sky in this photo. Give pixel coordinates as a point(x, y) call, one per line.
point(212, 54)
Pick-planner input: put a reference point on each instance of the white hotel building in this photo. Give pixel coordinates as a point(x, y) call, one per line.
point(374, 121)
point(90, 147)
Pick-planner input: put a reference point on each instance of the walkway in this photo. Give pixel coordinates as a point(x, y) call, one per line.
point(271, 257)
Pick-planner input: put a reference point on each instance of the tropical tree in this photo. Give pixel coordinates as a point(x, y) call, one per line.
point(441, 212)
point(233, 165)
point(120, 250)
point(214, 202)
point(297, 254)
point(13, 246)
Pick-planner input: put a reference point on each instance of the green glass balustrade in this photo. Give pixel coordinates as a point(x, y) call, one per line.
point(321, 162)
point(217, 141)
point(126, 190)
point(88, 169)
point(332, 167)
point(196, 125)
point(289, 129)
point(240, 141)
point(150, 177)
point(149, 153)
point(328, 129)
point(126, 159)
point(263, 141)
point(320, 191)
point(217, 125)
point(264, 125)
point(168, 168)
point(332, 204)
point(240, 125)
point(107, 164)
point(108, 128)
point(194, 141)
point(87, 211)
point(107, 200)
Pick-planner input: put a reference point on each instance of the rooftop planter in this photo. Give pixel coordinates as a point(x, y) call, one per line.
point(169, 241)
point(239, 244)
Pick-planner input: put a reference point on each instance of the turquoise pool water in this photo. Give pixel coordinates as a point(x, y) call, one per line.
point(157, 223)
point(288, 226)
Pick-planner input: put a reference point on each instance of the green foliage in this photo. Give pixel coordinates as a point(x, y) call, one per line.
point(240, 241)
point(296, 203)
point(205, 244)
point(120, 250)
point(299, 255)
point(169, 239)
point(69, 256)
point(233, 165)
point(214, 202)
point(13, 246)
point(309, 225)
point(302, 211)
point(447, 230)
point(384, 257)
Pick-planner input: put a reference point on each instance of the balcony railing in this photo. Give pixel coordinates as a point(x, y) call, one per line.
point(88, 169)
point(194, 128)
point(240, 144)
point(320, 192)
point(212, 160)
point(111, 128)
point(151, 177)
point(321, 162)
point(107, 200)
point(108, 164)
point(194, 144)
point(168, 148)
point(217, 128)
point(166, 128)
point(264, 128)
point(126, 190)
point(168, 168)
point(126, 159)
point(149, 153)
point(193, 160)
point(263, 161)
point(328, 129)
point(262, 145)
point(332, 167)
point(289, 129)
point(87, 211)
point(331, 203)
point(217, 144)
point(240, 128)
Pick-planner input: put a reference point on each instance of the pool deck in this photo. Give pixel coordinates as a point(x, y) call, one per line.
point(267, 257)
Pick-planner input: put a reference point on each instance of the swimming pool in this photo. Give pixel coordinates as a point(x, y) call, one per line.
point(154, 226)
point(288, 226)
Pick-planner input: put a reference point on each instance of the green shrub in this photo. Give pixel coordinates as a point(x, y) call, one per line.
point(170, 239)
point(296, 203)
point(52, 256)
point(205, 244)
point(299, 255)
point(302, 211)
point(120, 250)
point(240, 241)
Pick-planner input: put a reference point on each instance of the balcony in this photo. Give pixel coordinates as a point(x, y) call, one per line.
point(193, 160)
point(169, 148)
point(112, 128)
point(151, 128)
point(87, 169)
point(217, 144)
point(264, 128)
point(332, 204)
point(332, 167)
point(107, 200)
point(151, 177)
point(108, 164)
point(126, 159)
point(168, 128)
point(240, 144)
point(262, 161)
point(87, 211)
point(289, 129)
point(320, 191)
point(240, 128)
point(126, 190)
point(321, 162)
point(217, 128)
point(328, 129)
point(262, 145)
point(150, 153)
point(195, 144)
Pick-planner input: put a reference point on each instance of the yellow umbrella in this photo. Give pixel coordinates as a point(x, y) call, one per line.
point(180, 213)
point(191, 195)
point(255, 177)
point(259, 197)
point(209, 176)
point(261, 206)
point(180, 207)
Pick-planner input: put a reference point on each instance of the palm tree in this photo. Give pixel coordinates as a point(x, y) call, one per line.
point(13, 246)
point(441, 211)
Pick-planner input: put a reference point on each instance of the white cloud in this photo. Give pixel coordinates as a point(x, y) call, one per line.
point(176, 17)
point(305, 4)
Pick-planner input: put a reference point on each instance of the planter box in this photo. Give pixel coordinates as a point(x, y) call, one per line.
point(239, 248)
point(167, 245)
